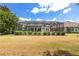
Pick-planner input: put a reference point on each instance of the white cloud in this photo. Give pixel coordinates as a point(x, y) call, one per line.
point(41, 8)
point(35, 10)
point(43, 4)
point(24, 19)
point(57, 6)
point(38, 19)
point(66, 10)
point(70, 20)
point(77, 21)
point(47, 7)
point(54, 19)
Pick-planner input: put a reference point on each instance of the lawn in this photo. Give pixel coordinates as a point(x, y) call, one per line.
point(36, 45)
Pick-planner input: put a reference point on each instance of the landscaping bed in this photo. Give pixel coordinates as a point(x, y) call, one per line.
point(39, 33)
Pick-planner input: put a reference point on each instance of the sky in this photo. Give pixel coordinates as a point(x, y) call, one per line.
point(45, 11)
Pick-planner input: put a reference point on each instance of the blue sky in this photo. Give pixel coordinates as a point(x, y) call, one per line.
point(45, 12)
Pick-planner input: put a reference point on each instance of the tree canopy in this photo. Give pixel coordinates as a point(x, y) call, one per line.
point(4, 8)
point(8, 20)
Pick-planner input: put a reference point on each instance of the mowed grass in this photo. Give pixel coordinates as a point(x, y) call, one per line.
point(36, 45)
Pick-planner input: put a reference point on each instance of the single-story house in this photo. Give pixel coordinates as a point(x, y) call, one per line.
point(49, 26)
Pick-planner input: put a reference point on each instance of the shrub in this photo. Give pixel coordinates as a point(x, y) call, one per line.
point(52, 33)
point(46, 53)
point(60, 52)
point(58, 33)
point(29, 32)
point(22, 32)
point(34, 33)
point(48, 33)
point(63, 33)
point(18, 32)
point(39, 33)
point(25, 33)
point(44, 33)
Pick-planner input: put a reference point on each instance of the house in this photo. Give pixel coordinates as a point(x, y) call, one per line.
point(42, 26)
point(49, 26)
point(71, 26)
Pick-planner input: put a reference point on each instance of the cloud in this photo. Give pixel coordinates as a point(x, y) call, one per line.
point(35, 10)
point(77, 21)
point(47, 7)
point(41, 8)
point(38, 19)
point(71, 20)
point(66, 10)
point(54, 19)
point(57, 6)
point(24, 19)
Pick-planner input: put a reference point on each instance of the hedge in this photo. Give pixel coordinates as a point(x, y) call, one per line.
point(38, 33)
point(52, 33)
point(29, 32)
point(18, 32)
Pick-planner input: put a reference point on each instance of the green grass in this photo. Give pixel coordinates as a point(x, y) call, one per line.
point(69, 47)
point(6, 37)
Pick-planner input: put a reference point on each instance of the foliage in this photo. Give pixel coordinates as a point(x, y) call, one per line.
point(4, 8)
point(63, 33)
point(20, 33)
point(29, 32)
point(60, 52)
point(58, 33)
point(34, 33)
point(52, 33)
point(8, 21)
point(39, 33)
point(48, 33)
point(46, 53)
point(44, 33)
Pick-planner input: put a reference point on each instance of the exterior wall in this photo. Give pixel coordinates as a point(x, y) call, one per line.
point(42, 26)
point(71, 27)
point(50, 26)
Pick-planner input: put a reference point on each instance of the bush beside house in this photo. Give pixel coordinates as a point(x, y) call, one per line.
point(39, 33)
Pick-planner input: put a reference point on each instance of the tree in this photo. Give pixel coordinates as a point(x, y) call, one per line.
point(4, 8)
point(8, 21)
